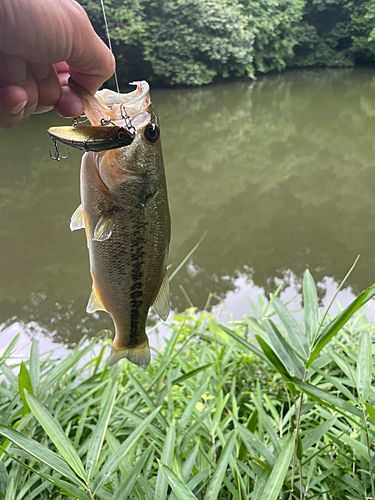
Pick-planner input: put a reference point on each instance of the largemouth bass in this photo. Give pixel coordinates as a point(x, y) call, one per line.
point(125, 214)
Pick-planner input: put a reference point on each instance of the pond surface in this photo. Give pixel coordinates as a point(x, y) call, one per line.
point(279, 173)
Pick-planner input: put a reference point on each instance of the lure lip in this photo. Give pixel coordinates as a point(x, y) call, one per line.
point(93, 138)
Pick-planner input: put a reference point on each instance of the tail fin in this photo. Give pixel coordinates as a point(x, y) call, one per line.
point(139, 355)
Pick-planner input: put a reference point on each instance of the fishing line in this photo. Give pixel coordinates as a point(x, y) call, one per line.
point(109, 42)
point(124, 114)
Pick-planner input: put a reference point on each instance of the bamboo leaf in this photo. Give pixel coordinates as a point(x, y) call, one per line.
point(216, 482)
point(364, 362)
point(40, 452)
point(114, 460)
point(56, 434)
point(24, 382)
point(180, 489)
point(283, 350)
point(34, 366)
point(97, 437)
point(293, 330)
point(166, 459)
point(244, 343)
point(371, 411)
point(310, 306)
point(339, 321)
point(279, 470)
point(66, 487)
point(272, 358)
point(129, 481)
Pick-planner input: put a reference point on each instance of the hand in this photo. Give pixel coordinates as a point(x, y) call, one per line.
point(42, 43)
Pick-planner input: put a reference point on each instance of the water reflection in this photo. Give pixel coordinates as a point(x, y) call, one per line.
point(279, 172)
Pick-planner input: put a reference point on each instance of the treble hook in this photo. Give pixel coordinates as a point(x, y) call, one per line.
point(58, 156)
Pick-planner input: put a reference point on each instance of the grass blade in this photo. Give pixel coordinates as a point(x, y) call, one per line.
point(56, 434)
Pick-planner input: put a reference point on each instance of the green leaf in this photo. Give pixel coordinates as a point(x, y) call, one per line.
point(129, 481)
point(191, 406)
point(56, 434)
point(272, 358)
point(66, 487)
point(166, 459)
point(34, 365)
point(283, 350)
point(364, 361)
point(40, 452)
point(97, 438)
point(340, 320)
point(310, 306)
point(244, 343)
point(279, 470)
point(314, 436)
point(180, 489)
point(24, 382)
point(112, 463)
point(371, 411)
point(216, 482)
point(293, 330)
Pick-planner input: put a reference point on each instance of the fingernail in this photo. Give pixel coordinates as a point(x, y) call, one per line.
point(41, 71)
point(17, 109)
point(17, 69)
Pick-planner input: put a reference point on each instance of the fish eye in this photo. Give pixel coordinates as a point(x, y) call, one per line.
point(152, 133)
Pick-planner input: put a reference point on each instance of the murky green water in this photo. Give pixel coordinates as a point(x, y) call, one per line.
point(280, 173)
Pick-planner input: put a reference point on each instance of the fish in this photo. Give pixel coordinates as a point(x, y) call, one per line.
point(124, 211)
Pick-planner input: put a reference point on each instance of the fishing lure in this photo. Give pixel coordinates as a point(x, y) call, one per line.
point(92, 138)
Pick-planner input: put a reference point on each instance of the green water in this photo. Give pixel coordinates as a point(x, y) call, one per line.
point(280, 173)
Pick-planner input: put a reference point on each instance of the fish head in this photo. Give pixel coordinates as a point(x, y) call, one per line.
point(135, 112)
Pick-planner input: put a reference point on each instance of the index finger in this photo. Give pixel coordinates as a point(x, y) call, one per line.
point(90, 62)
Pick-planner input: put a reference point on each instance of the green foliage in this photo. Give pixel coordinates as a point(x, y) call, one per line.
point(275, 25)
point(193, 42)
point(213, 417)
point(363, 20)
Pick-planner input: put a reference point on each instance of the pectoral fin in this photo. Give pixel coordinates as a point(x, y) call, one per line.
point(162, 304)
point(94, 303)
point(77, 220)
point(104, 227)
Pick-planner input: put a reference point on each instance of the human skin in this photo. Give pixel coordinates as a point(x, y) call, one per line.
point(42, 43)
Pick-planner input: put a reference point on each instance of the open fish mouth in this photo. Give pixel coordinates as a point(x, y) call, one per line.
point(115, 118)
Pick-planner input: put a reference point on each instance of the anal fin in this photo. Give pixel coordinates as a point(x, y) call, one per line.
point(77, 219)
point(139, 355)
point(94, 303)
point(162, 305)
